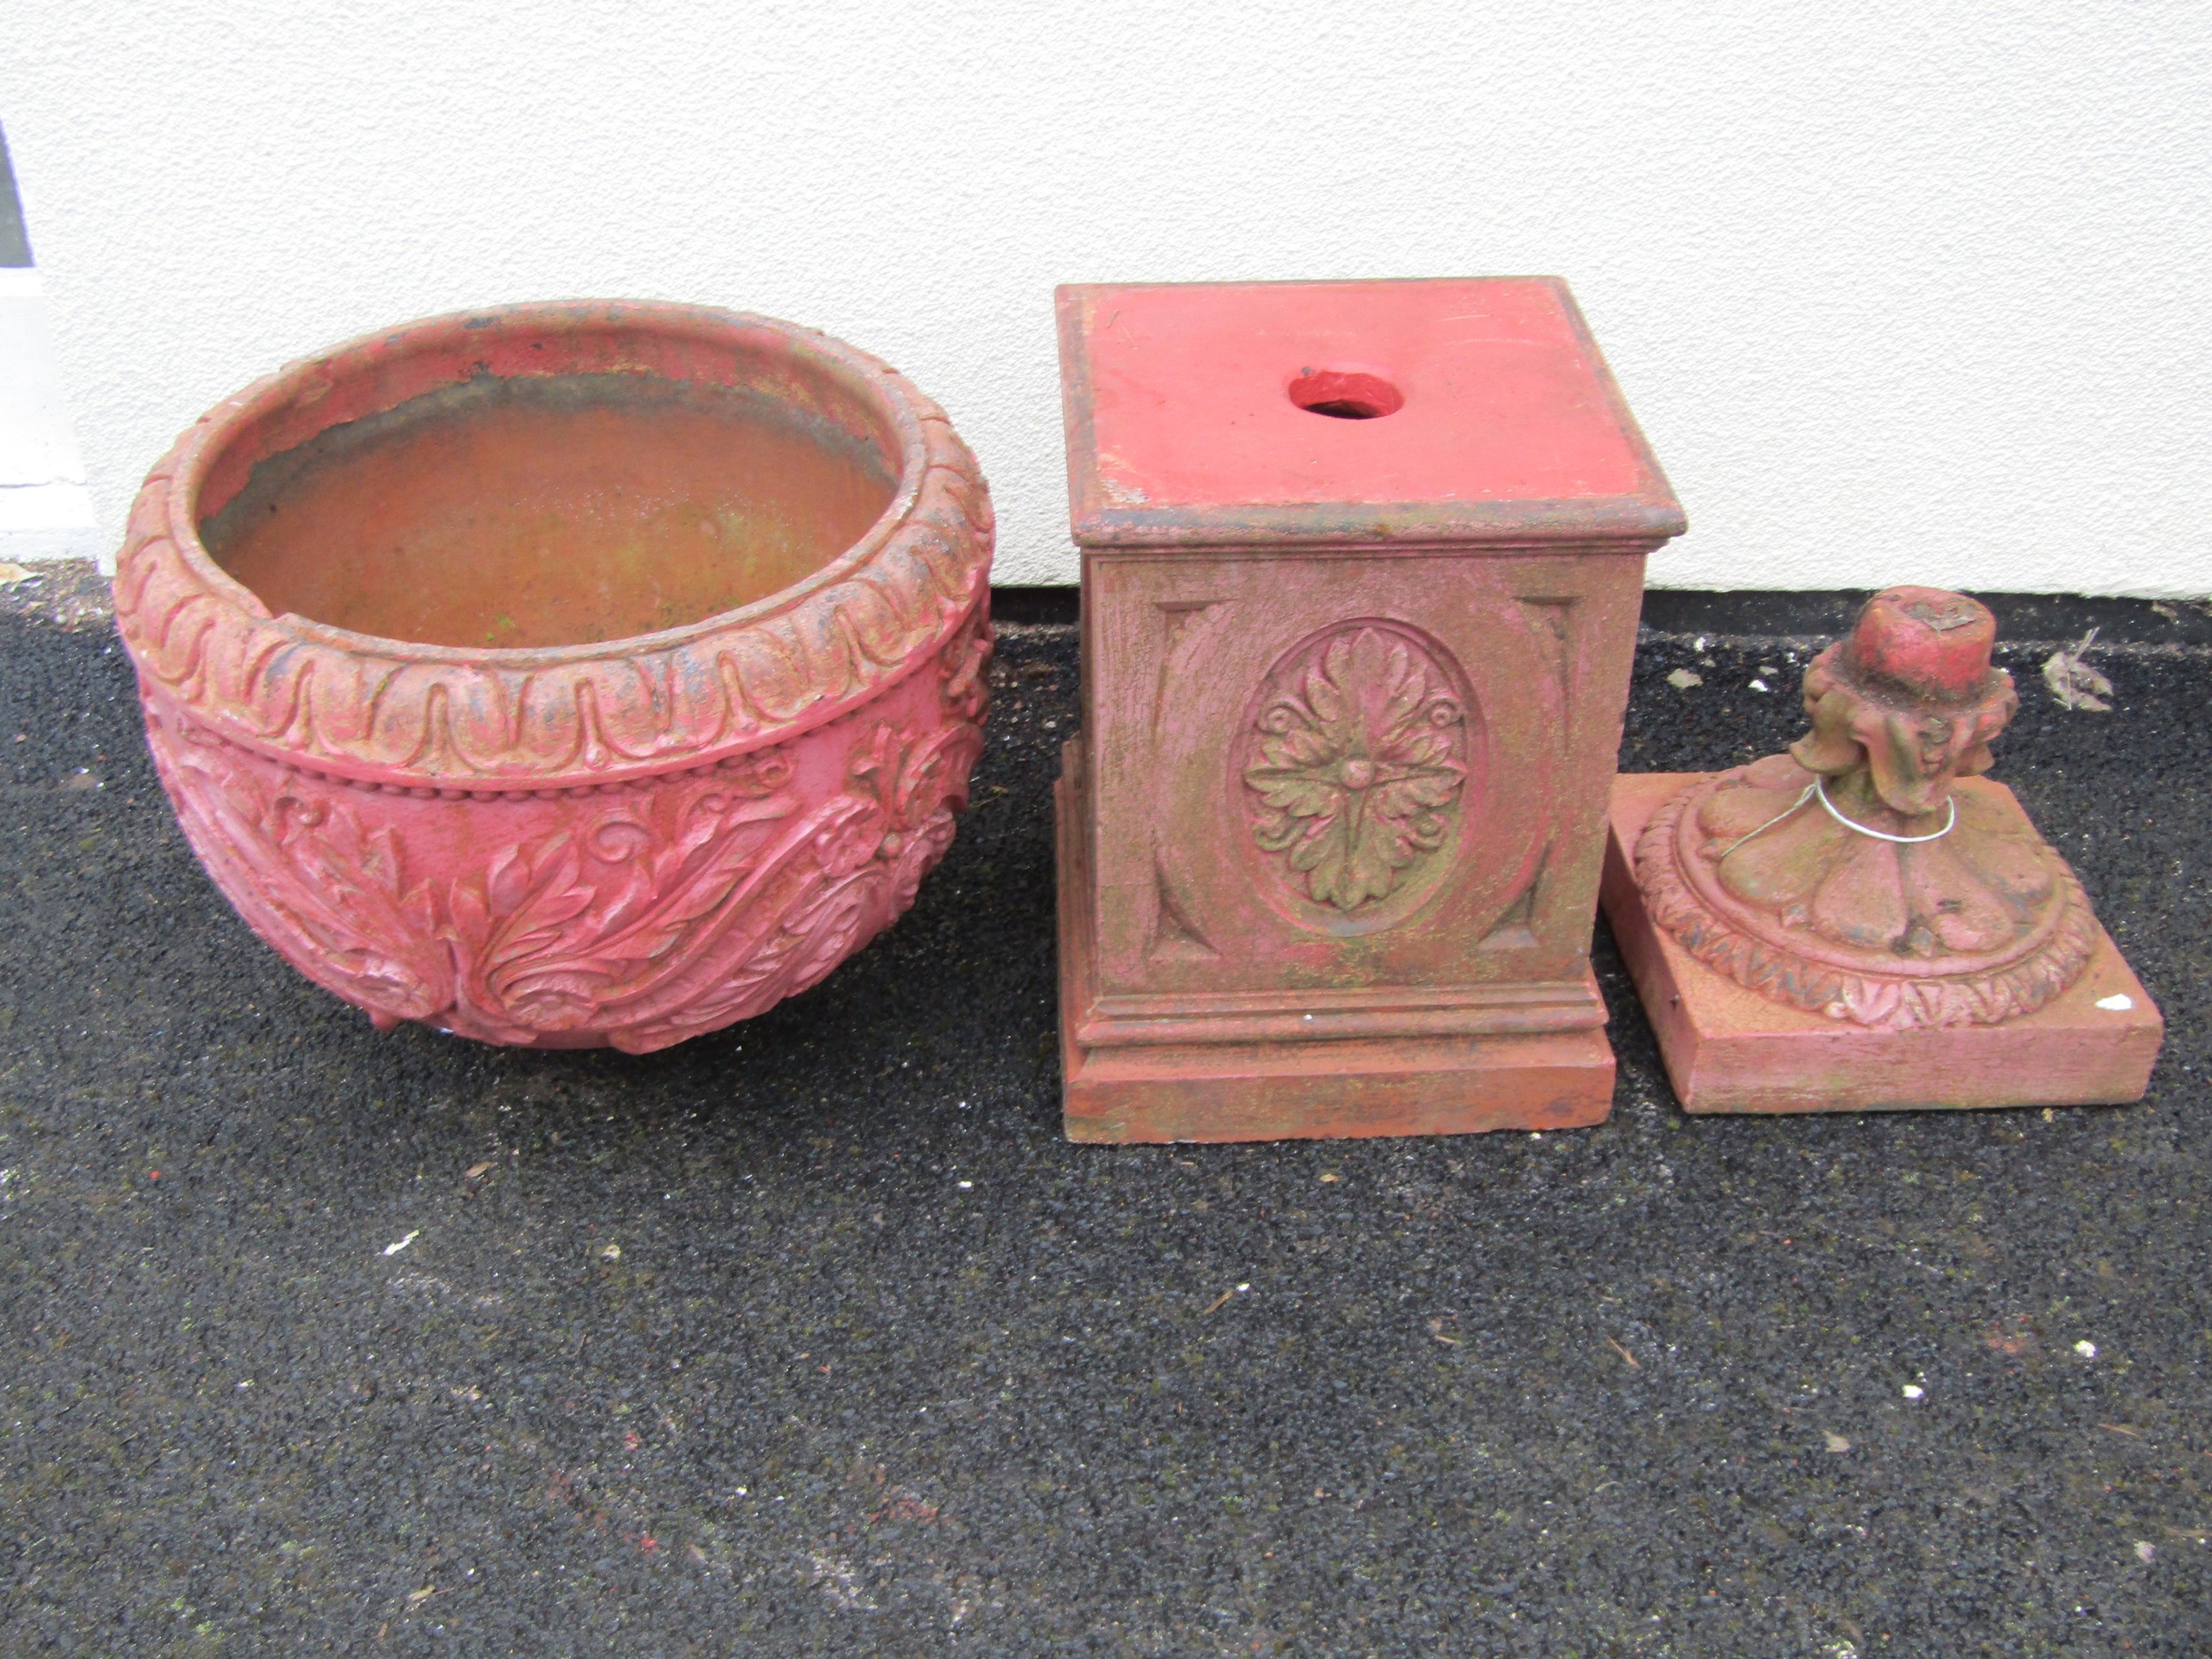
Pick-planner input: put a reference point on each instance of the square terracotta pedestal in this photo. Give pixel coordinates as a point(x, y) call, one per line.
point(1362, 564)
point(1729, 1050)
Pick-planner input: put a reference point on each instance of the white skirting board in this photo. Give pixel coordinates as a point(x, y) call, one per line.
point(45, 509)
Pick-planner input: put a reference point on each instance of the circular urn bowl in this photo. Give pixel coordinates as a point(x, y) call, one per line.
point(566, 675)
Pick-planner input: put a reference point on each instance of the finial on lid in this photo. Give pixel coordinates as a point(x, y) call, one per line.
point(1924, 641)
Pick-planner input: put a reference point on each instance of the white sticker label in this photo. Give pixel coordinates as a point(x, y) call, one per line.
point(2119, 1003)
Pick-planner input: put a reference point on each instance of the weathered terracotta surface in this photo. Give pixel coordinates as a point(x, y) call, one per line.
point(1870, 882)
point(547, 511)
point(1849, 877)
point(1729, 1049)
point(567, 674)
point(1362, 566)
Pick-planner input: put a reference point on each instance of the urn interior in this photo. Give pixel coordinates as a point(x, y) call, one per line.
point(586, 497)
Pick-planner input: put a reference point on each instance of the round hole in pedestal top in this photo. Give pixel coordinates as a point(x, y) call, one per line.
point(1346, 394)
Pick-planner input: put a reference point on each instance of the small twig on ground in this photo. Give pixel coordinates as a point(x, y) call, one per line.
point(2073, 682)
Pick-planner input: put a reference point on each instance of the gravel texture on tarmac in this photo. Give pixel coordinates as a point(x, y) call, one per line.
point(815, 1336)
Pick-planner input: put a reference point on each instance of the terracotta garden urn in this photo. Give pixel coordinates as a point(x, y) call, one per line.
point(569, 674)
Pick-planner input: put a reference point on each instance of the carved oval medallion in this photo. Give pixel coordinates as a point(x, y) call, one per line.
point(1354, 763)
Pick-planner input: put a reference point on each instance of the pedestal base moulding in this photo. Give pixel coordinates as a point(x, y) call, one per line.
point(1362, 566)
point(568, 674)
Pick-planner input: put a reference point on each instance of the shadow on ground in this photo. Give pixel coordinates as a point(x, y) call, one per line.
point(815, 1336)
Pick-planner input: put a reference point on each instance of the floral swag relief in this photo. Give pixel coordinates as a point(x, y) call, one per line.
point(1357, 765)
point(651, 916)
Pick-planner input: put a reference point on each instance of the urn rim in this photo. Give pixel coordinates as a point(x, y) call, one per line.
point(784, 662)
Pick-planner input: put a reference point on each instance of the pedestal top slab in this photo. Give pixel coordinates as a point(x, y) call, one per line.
point(1468, 410)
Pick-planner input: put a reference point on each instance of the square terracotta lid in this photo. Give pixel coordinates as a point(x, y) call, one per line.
point(1463, 409)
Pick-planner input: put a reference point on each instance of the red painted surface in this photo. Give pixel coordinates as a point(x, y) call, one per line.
point(1924, 643)
point(1331, 837)
point(651, 788)
point(1487, 394)
point(1729, 1048)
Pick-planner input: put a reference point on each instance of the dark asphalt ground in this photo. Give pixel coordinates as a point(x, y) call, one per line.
point(815, 1336)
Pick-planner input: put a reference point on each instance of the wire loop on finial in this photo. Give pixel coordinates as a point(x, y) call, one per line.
point(1818, 787)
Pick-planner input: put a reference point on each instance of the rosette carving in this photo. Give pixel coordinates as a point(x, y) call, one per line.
point(1356, 773)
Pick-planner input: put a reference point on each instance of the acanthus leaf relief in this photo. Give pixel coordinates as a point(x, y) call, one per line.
point(1357, 770)
point(652, 914)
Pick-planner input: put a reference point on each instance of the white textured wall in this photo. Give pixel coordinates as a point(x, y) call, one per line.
point(1900, 288)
